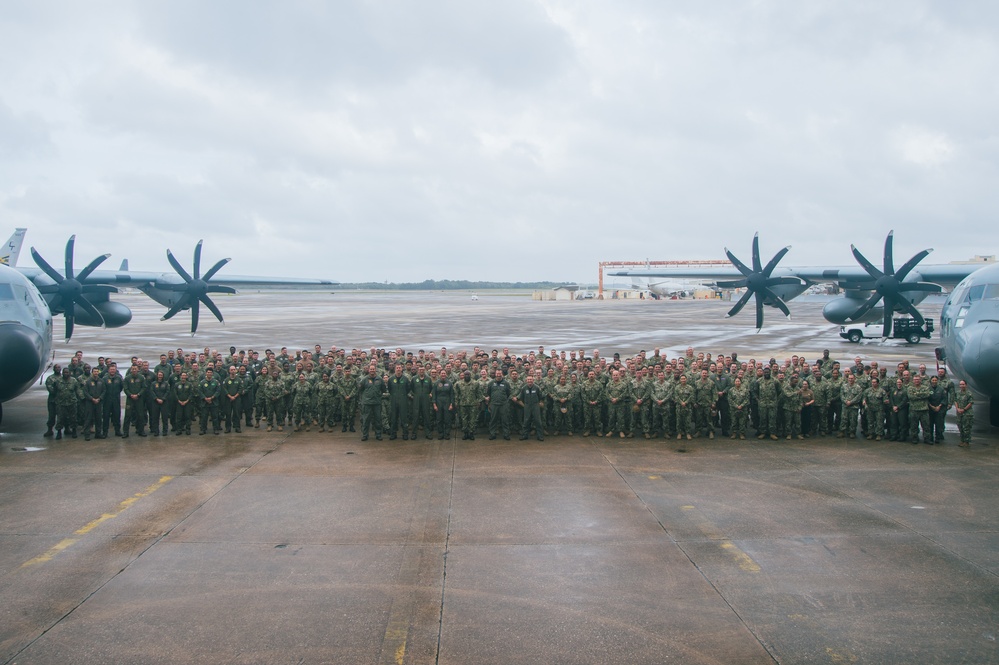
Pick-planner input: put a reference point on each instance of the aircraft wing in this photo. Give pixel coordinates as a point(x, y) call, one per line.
point(946, 275)
point(137, 278)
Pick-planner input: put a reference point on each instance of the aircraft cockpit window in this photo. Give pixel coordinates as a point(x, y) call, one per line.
point(6, 293)
point(976, 292)
point(991, 292)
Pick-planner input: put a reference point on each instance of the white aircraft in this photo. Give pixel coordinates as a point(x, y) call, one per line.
point(30, 296)
point(969, 330)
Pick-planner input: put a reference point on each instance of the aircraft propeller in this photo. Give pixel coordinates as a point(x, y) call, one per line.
point(758, 282)
point(888, 285)
point(196, 288)
point(69, 290)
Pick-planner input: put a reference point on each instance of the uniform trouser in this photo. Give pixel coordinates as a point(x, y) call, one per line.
point(820, 419)
point(875, 421)
point(807, 419)
point(563, 421)
point(965, 422)
point(135, 412)
point(739, 421)
point(275, 411)
point(591, 418)
point(834, 415)
point(937, 420)
point(917, 420)
point(246, 408)
point(112, 415)
point(644, 417)
point(158, 413)
point(421, 415)
point(210, 411)
point(301, 412)
point(848, 420)
point(532, 420)
point(93, 415)
point(469, 419)
point(66, 416)
point(260, 407)
point(617, 417)
point(724, 416)
point(231, 412)
point(792, 422)
point(51, 403)
point(182, 417)
point(398, 417)
point(898, 424)
point(444, 417)
point(499, 419)
point(348, 412)
point(703, 414)
point(684, 419)
point(324, 412)
point(768, 420)
point(660, 419)
point(371, 417)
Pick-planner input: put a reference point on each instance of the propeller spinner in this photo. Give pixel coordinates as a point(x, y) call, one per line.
point(70, 289)
point(888, 285)
point(196, 289)
point(758, 282)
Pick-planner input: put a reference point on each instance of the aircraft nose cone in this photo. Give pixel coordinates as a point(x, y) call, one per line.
point(20, 359)
point(980, 358)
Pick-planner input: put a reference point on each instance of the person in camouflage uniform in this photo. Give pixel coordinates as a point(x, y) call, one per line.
point(642, 394)
point(792, 404)
point(684, 396)
point(67, 398)
point(704, 404)
point(260, 400)
point(50, 403)
point(875, 398)
point(302, 404)
point(274, 393)
point(919, 410)
point(820, 410)
point(348, 386)
point(592, 392)
point(767, 391)
point(326, 397)
point(562, 405)
point(662, 397)
point(964, 405)
point(469, 399)
point(738, 401)
point(850, 396)
point(950, 392)
point(619, 395)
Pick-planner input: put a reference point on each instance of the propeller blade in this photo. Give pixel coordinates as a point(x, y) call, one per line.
point(775, 260)
point(69, 322)
point(783, 281)
point(219, 288)
point(179, 268)
point(928, 287)
point(215, 268)
point(738, 264)
point(904, 271)
point(908, 308)
point(46, 268)
point(781, 305)
point(737, 284)
point(89, 308)
point(195, 313)
point(91, 267)
point(867, 265)
point(866, 307)
point(211, 306)
point(756, 253)
point(197, 261)
point(179, 305)
point(889, 263)
point(70, 244)
point(759, 312)
point(887, 320)
point(742, 303)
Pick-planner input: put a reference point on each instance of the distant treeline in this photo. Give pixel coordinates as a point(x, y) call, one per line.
point(443, 285)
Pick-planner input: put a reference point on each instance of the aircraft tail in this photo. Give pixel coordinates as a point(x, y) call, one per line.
point(12, 248)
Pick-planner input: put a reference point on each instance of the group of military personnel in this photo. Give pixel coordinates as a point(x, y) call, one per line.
point(498, 392)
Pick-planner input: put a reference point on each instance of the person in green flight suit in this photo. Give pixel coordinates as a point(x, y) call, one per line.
point(208, 395)
point(183, 399)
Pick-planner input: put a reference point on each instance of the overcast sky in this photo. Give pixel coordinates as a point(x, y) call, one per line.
point(514, 140)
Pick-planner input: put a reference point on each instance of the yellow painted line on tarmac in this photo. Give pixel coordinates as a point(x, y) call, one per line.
point(709, 529)
point(90, 526)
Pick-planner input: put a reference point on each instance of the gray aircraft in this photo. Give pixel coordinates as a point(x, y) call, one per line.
point(30, 296)
point(969, 324)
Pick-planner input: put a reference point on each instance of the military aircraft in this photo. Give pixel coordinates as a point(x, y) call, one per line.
point(969, 330)
point(30, 296)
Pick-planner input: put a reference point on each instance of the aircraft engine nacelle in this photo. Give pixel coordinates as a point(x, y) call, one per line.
point(162, 293)
point(115, 315)
point(787, 292)
point(841, 310)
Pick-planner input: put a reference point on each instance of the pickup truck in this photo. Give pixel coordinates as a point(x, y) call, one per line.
point(902, 328)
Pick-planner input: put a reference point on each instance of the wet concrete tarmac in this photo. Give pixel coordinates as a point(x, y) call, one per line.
point(307, 547)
